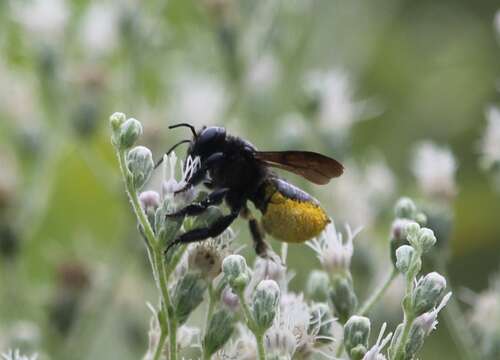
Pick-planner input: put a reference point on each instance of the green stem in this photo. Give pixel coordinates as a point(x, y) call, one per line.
point(378, 293)
point(408, 321)
point(246, 312)
point(134, 199)
point(159, 347)
point(167, 302)
point(260, 346)
point(156, 260)
point(172, 333)
point(408, 315)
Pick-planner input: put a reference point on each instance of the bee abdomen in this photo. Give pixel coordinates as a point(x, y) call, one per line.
point(293, 220)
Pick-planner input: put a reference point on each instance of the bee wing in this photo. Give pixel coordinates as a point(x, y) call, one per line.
point(316, 168)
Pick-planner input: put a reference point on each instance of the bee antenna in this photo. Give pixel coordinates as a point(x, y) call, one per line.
point(158, 163)
point(193, 130)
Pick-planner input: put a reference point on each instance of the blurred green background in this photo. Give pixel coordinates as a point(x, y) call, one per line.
point(74, 278)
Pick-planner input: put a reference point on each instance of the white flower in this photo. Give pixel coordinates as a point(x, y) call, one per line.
point(16, 355)
point(435, 167)
point(44, 18)
point(374, 352)
point(289, 331)
point(333, 253)
point(292, 331)
point(263, 73)
point(99, 31)
point(490, 146)
point(338, 110)
point(199, 100)
point(170, 184)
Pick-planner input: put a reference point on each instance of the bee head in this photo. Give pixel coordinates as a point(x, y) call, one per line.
point(203, 144)
point(209, 140)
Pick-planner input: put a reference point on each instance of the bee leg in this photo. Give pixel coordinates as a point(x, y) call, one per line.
point(260, 246)
point(200, 234)
point(214, 198)
point(258, 234)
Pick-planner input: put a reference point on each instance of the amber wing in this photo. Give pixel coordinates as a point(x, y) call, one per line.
point(314, 167)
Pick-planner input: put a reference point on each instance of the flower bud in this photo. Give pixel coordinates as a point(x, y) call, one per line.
point(140, 164)
point(150, 201)
point(415, 340)
point(399, 236)
point(428, 292)
point(404, 256)
point(321, 322)
point(421, 219)
point(405, 208)
point(230, 299)
point(188, 294)
point(318, 286)
point(412, 230)
point(236, 272)
point(265, 303)
point(220, 328)
point(130, 131)
point(426, 239)
point(116, 120)
point(356, 334)
point(343, 298)
point(399, 230)
point(428, 321)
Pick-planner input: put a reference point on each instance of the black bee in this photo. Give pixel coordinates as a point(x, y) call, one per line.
point(236, 172)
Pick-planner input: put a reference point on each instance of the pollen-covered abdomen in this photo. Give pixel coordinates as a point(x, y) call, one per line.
point(291, 215)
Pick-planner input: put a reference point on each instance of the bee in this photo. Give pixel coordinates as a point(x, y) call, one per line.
point(237, 173)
